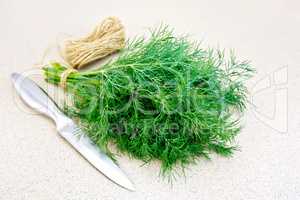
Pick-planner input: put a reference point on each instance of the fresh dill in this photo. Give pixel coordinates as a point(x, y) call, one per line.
point(164, 98)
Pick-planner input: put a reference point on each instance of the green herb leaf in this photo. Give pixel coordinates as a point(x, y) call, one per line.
point(163, 98)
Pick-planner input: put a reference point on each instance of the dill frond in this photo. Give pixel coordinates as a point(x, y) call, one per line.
point(163, 98)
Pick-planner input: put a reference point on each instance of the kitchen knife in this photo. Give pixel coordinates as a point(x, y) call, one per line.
point(38, 99)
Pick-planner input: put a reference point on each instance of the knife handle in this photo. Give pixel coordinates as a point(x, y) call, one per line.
point(36, 97)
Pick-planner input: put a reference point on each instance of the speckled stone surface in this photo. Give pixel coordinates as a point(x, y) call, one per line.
point(36, 164)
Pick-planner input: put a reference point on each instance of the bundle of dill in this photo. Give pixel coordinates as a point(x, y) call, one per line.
point(163, 98)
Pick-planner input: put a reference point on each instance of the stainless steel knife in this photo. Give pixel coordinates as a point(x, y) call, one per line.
point(38, 99)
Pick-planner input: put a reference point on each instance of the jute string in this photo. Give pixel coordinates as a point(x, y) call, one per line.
point(107, 38)
point(64, 77)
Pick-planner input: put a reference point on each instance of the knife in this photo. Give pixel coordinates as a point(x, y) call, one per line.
point(38, 99)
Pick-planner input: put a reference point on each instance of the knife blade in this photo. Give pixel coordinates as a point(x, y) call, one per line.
point(37, 98)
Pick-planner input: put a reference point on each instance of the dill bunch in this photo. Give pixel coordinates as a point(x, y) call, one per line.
point(164, 98)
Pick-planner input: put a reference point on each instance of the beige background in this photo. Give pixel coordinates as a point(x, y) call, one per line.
point(35, 163)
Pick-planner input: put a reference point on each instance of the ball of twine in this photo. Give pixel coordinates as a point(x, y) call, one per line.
point(107, 38)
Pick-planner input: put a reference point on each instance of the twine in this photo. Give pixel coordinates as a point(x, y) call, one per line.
point(64, 77)
point(107, 38)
